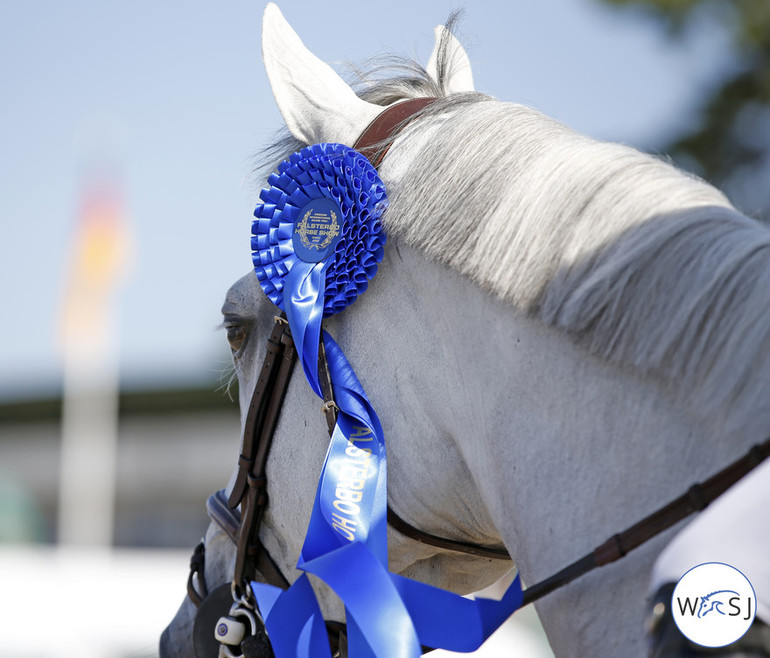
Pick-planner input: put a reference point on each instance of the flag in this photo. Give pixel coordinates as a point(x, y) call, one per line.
point(98, 262)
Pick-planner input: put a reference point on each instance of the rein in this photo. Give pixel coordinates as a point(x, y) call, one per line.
point(233, 637)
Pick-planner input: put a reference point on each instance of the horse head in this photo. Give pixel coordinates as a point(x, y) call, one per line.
point(296, 76)
point(558, 328)
point(714, 602)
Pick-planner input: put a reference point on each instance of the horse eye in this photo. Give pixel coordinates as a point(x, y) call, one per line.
point(236, 336)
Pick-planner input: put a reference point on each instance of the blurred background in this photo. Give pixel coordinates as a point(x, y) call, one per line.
point(128, 134)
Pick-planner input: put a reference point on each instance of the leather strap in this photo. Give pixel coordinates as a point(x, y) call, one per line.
point(255, 414)
point(250, 489)
point(697, 498)
point(196, 579)
point(228, 520)
point(329, 407)
point(386, 124)
point(395, 521)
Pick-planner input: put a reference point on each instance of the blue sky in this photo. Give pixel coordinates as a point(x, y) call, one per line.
point(174, 95)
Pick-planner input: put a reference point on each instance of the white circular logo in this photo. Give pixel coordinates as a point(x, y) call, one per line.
point(713, 604)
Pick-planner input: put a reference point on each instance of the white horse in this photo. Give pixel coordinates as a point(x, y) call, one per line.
point(564, 334)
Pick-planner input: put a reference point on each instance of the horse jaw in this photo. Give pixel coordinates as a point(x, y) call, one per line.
point(316, 103)
point(458, 78)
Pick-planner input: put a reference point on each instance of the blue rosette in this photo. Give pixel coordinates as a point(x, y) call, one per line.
point(322, 205)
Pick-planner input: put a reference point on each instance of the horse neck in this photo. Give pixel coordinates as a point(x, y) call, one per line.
point(508, 395)
point(560, 449)
point(642, 264)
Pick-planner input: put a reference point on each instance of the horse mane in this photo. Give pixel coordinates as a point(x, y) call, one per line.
point(638, 262)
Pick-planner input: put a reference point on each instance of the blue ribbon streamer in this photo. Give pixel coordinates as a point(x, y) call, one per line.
point(388, 616)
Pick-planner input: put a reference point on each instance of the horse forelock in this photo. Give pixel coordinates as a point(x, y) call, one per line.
point(642, 264)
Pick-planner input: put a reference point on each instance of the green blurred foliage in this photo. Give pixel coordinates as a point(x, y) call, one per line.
point(728, 143)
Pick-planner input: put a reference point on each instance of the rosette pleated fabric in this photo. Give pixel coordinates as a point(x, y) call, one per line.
point(317, 241)
point(342, 177)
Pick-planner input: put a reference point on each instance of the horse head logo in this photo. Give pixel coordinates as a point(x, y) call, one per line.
point(713, 602)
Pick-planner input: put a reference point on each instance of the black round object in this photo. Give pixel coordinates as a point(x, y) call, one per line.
point(217, 604)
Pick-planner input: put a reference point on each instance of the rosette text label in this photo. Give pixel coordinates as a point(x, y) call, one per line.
point(353, 473)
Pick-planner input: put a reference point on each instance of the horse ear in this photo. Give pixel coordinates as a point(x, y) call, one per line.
point(458, 76)
point(316, 103)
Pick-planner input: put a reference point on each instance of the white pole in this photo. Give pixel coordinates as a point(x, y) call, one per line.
point(89, 444)
point(90, 356)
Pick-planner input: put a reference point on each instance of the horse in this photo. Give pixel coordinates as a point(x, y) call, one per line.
point(710, 604)
point(563, 335)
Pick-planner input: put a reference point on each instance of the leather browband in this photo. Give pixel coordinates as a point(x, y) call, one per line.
point(391, 120)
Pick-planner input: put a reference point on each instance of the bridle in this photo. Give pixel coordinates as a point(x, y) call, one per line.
point(242, 630)
point(250, 493)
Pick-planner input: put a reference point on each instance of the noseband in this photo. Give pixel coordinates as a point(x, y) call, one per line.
point(230, 610)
